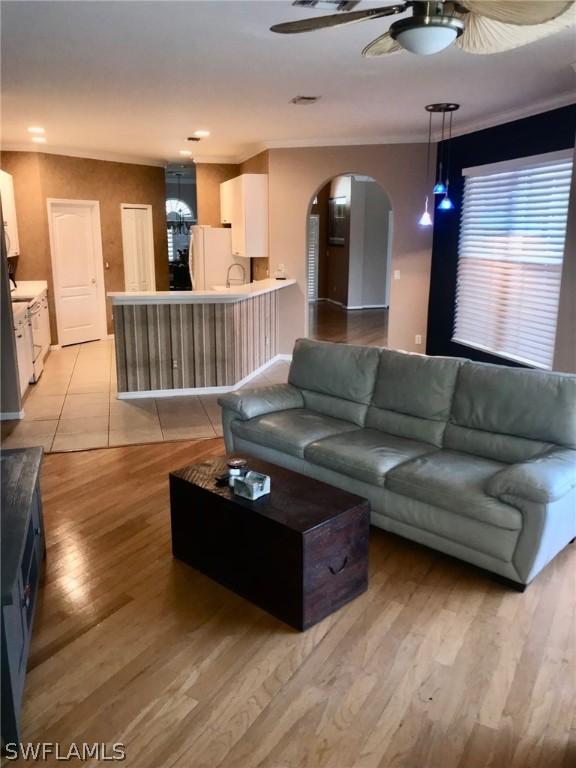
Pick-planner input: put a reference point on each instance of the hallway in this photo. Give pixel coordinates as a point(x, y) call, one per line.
point(331, 322)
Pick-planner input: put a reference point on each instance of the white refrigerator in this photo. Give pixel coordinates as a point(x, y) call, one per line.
point(211, 256)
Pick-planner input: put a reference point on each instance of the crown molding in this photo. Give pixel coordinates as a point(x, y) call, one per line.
point(509, 116)
point(217, 159)
point(87, 154)
point(347, 142)
point(461, 127)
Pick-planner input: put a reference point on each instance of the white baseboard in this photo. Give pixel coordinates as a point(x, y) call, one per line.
point(354, 307)
point(54, 347)
point(201, 390)
point(11, 415)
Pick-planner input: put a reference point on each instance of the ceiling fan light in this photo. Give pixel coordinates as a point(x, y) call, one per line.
point(425, 35)
point(425, 41)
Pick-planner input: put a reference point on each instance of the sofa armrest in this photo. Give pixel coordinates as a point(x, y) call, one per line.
point(543, 480)
point(249, 403)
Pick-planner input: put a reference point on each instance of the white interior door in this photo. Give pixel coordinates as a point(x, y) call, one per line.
point(76, 249)
point(138, 248)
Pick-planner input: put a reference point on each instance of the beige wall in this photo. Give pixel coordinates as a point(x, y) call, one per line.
point(295, 175)
point(209, 176)
point(39, 176)
point(256, 164)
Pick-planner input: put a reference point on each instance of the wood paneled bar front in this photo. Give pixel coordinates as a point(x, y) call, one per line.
point(174, 342)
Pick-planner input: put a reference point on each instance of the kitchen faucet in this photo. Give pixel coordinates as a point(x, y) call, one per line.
point(230, 268)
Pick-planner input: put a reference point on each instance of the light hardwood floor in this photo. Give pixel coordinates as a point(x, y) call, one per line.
point(436, 666)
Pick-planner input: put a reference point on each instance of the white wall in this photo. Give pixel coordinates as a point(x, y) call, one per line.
point(369, 245)
point(377, 210)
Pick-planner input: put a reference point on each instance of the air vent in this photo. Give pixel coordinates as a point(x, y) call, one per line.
point(328, 5)
point(193, 138)
point(304, 99)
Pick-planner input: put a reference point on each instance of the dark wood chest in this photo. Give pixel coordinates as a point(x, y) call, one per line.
point(300, 552)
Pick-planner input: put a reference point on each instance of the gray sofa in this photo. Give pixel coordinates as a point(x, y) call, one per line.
point(474, 460)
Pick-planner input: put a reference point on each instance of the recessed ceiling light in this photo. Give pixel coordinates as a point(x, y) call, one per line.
point(201, 134)
point(35, 129)
point(185, 152)
point(39, 139)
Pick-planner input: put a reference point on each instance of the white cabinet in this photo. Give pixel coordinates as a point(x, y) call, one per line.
point(244, 205)
point(45, 336)
point(40, 321)
point(9, 214)
point(24, 347)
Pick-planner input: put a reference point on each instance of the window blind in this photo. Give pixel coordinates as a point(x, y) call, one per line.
point(511, 248)
point(313, 252)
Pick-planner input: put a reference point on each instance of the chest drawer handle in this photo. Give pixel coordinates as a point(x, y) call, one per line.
point(334, 571)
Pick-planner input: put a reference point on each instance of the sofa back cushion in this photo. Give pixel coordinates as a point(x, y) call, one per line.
point(413, 395)
point(511, 414)
point(336, 379)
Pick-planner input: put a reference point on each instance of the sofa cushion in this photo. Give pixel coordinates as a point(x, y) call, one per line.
point(416, 384)
point(536, 405)
point(456, 482)
point(402, 425)
point(290, 431)
point(336, 407)
point(509, 449)
point(340, 370)
point(413, 395)
point(366, 454)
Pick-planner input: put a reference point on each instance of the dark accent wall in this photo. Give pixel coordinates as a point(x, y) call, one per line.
point(547, 132)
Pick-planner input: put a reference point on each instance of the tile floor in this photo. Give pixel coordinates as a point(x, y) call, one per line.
point(74, 407)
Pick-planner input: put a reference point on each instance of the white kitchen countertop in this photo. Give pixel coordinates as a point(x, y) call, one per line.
point(217, 295)
point(26, 290)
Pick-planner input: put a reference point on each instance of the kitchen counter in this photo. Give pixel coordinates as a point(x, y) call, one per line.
point(188, 342)
point(26, 290)
point(215, 295)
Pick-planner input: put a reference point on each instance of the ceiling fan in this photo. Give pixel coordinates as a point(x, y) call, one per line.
point(476, 26)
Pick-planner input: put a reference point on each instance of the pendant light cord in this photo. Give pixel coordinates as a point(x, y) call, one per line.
point(448, 149)
point(428, 149)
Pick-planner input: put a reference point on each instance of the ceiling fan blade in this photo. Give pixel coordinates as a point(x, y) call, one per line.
point(518, 12)
point(381, 46)
point(483, 35)
point(336, 19)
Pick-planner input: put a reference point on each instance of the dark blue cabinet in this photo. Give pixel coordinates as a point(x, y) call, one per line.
point(23, 551)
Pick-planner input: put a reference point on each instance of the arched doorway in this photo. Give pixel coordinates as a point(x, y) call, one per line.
point(349, 261)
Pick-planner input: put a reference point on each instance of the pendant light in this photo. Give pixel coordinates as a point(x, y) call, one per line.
point(442, 178)
point(446, 203)
point(426, 220)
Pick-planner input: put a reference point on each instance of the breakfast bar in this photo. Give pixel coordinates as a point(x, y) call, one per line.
point(189, 342)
